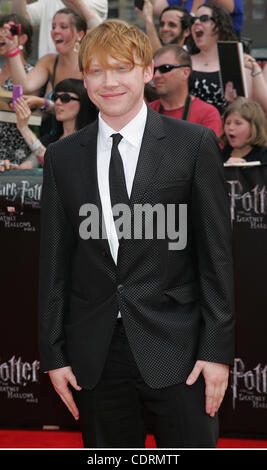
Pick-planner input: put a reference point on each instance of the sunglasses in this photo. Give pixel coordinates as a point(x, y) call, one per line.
point(202, 18)
point(165, 68)
point(64, 97)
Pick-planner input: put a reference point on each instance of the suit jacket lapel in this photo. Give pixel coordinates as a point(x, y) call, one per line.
point(151, 154)
point(87, 162)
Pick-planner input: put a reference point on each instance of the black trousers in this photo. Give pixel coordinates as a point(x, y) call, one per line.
point(116, 413)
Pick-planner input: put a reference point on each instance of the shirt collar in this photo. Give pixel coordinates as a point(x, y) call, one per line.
point(132, 132)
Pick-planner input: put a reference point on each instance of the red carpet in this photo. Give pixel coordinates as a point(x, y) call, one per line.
point(10, 439)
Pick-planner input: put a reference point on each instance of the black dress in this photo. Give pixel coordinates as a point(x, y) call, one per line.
point(12, 145)
point(207, 87)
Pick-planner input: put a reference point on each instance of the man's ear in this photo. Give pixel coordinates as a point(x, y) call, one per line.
point(187, 72)
point(148, 73)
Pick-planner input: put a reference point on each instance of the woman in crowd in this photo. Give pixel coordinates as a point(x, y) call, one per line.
point(244, 135)
point(73, 111)
point(13, 146)
point(68, 29)
point(211, 24)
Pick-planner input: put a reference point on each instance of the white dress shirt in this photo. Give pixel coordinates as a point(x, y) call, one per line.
point(129, 148)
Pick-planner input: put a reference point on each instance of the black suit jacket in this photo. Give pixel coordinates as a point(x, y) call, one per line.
point(176, 305)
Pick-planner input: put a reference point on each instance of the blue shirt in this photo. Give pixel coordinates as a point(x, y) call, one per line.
point(237, 15)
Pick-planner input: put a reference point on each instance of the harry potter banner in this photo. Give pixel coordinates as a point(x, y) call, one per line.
point(26, 396)
point(244, 410)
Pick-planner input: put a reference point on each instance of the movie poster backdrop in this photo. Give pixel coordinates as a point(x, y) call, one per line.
point(27, 398)
point(244, 410)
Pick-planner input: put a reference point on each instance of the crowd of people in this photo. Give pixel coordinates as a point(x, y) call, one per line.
point(186, 83)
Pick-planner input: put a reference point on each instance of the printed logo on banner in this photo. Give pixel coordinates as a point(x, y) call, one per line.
point(248, 206)
point(15, 197)
point(15, 376)
point(23, 192)
point(249, 385)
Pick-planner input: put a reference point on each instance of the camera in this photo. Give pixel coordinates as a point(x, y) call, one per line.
point(15, 29)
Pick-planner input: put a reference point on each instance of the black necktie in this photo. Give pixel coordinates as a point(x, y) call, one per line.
point(117, 183)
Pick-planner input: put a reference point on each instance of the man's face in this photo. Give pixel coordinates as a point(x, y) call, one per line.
point(167, 84)
point(170, 28)
point(118, 91)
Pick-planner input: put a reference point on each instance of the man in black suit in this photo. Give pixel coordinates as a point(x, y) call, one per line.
point(142, 321)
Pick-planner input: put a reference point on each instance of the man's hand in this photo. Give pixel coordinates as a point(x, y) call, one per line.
point(147, 12)
point(60, 379)
point(216, 380)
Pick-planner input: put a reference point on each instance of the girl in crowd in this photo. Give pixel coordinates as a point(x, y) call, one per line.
point(73, 111)
point(211, 24)
point(13, 146)
point(244, 135)
point(68, 29)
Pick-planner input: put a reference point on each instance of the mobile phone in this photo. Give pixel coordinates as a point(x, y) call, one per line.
point(15, 29)
point(139, 4)
point(17, 92)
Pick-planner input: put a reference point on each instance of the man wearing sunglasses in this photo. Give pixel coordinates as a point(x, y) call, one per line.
point(234, 7)
point(172, 67)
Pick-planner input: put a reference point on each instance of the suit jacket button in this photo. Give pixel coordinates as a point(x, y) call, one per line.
point(120, 288)
point(105, 253)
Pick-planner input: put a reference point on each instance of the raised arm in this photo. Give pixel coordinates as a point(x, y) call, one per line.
point(23, 113)
point(147, 14)
point(83, 9)
point(258, 82)
point(158, 6)
point(19, 7)
point(36, 77)
point(228, 5)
